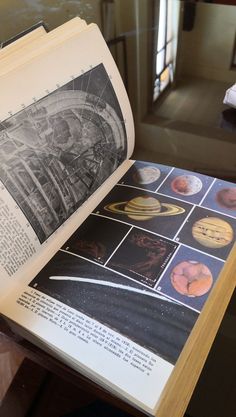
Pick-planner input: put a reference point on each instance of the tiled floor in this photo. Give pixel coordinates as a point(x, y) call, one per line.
point(195, 100)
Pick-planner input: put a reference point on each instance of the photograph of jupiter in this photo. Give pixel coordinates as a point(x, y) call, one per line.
point(209, 232)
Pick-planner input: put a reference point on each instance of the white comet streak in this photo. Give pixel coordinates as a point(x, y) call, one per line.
point(112, 285)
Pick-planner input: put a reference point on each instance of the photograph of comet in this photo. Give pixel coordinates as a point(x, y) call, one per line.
point(209, 232)
point(189, 277)
point(152, 320)
point(145, 175)
point(186, 185)
point(157, 213)
point(143, 256)
point(222, 197)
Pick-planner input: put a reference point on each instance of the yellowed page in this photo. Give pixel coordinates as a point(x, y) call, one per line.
point(40, 78)
point(21, 42)
point(39, 45)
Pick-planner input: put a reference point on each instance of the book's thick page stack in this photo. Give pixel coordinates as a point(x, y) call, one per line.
point(116, 267)
point(9, 52)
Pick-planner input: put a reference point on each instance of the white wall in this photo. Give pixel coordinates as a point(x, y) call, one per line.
point(132, 20)
point(153, 141)
point(206, 51)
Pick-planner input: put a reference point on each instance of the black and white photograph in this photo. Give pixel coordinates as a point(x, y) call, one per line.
point(57, 151)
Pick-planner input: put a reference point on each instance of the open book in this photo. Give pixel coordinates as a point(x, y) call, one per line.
point(120, 268)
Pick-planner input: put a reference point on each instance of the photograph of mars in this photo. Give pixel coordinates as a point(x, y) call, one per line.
point(96, 238)
point(209, 232)
point(157, 213)
point(143, 256)
point(149, 318)
point(186, 185)
point(189, 277)
point(145, 175)
point(56, 152)
point(222, 198)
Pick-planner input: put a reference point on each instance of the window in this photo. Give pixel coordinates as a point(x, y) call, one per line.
point(233, 63)
point(165, 47)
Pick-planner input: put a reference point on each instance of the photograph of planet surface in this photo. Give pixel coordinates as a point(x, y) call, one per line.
point(145, 175)
point(222, 197)
point(210, 232)
point(186, 185)
point(157, 213)
point(189, 277)
point(143, 256)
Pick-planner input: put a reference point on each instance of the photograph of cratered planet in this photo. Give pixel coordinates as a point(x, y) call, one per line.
point(57, 151)
point(145, 209)
point(141, 314)
point(186, 185)
point(145, 175)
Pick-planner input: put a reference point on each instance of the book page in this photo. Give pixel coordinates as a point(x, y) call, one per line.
point(7, 50)
point(30, 48)
point(121, 297)
point(65, 128)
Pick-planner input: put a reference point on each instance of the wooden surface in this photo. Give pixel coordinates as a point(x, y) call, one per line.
point(23, 390)
point(71, 376)
point(36, 392)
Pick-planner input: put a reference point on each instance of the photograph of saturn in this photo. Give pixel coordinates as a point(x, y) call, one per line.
point(144, 262)
point(155, 212)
